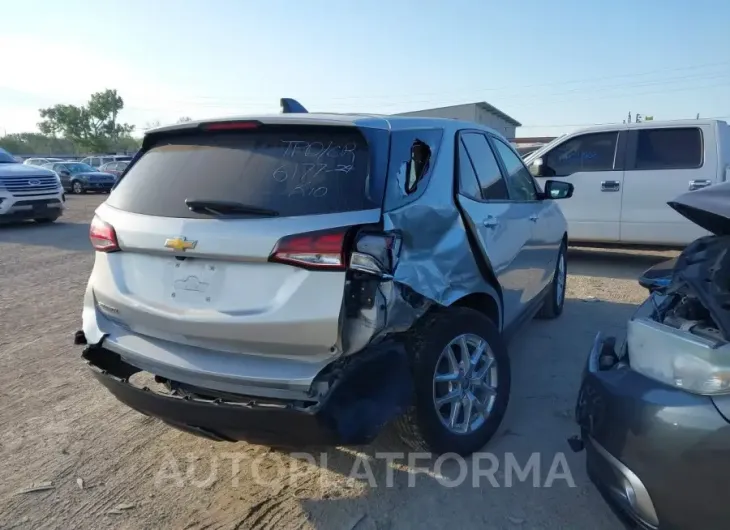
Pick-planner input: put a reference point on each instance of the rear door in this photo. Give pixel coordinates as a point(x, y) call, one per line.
point(593, 163)
point(663, 163)
point(203, 277)
point(501, 225)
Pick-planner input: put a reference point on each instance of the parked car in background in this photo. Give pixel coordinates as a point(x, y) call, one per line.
point(28, 192)
point(206, 280)
point(40, 161)
point(114, 168)
point(79, 178)
point(624, 175)
point(100, 160)
point(654, 411)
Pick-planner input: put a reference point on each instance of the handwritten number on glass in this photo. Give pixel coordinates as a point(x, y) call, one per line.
point(309, 171)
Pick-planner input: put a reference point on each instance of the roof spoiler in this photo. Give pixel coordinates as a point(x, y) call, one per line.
point(292, 106)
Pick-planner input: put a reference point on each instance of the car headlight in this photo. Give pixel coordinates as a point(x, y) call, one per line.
point(678, 358)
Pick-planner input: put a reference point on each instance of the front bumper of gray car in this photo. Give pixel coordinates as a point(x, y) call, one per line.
point(658, 454)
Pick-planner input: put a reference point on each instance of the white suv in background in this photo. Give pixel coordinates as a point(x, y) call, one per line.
point(28, 192)
point(624, 175)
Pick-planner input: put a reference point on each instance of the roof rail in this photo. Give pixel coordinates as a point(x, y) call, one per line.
point(292, 106)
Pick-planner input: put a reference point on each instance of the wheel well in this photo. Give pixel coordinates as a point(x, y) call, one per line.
point(483, 303)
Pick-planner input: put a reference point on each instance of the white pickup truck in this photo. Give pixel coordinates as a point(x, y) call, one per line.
point(624, 175)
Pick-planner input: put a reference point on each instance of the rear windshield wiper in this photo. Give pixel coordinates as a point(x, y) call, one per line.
point(214, 207)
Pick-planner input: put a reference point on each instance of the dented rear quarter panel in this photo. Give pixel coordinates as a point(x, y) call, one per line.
point(437, 260)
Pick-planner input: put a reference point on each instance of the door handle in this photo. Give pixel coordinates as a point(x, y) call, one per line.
point(534, 217)
point(610, 185)
point(698, 184)
point(491, 222)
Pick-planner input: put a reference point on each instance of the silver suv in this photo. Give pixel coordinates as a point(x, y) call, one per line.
point(303, 279)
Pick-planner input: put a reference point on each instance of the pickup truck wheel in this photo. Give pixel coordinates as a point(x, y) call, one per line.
point(77, 187)
point(553, 305)
point(461, 375)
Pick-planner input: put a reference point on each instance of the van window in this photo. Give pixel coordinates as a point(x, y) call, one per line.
point(671, 148)
point(294, 171)
point(587, 152)
point(486, 167)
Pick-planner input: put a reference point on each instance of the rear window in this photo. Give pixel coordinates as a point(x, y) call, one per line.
point(303, 171)
point(670, 148)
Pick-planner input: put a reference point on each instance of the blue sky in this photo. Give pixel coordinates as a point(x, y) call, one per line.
point(554, 66)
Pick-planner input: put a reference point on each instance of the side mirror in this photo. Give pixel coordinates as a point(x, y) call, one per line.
point(557, 189)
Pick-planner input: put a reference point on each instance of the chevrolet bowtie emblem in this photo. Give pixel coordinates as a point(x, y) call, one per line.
point(180, 244)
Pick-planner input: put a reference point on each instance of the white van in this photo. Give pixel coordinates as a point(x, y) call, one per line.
point(625, 174)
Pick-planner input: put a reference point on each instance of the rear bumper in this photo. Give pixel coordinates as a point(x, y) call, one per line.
point(658, 454)
point(364, 395)
point(92, 186)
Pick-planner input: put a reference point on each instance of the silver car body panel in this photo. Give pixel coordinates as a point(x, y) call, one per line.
point(269, 329)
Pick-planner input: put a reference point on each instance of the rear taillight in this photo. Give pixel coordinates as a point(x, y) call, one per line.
point(323, 250)
point(376, 253)
point(103, 237)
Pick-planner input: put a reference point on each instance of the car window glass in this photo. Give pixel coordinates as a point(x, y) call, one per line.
point(468, 183)
point(485, 164)
point(293, 171)
point(588, 152)
point(669, 148)
point(418, 165)
point(519, 181)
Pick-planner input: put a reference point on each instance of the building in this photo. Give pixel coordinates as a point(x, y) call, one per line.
point(481, 112)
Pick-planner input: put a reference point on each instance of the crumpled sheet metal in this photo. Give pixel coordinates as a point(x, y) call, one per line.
point(436, 260)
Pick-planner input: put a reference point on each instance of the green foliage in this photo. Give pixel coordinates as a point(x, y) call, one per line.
point(36, 143)
point(92, 127)
point(70, 129)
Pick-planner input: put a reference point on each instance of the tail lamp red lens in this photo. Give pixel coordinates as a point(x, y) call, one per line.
point(322, 250)
point(103, 237)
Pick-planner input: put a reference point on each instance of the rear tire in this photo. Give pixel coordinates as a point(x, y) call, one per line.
point(555, 300)
point(427, 426)
point(77, 187)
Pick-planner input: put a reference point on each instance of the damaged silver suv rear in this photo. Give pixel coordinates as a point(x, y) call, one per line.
point(303, 279)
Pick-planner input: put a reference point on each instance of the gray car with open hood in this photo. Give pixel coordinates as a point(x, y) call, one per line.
point(654, 410)
point(303, 279)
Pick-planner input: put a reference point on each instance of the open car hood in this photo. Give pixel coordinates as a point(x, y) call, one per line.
point(708, 208)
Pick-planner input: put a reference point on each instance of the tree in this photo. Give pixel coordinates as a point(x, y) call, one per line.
point(36, 143)
point(91, 127)
point(184, 119)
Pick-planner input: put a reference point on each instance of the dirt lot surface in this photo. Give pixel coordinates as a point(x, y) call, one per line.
point(106, 466)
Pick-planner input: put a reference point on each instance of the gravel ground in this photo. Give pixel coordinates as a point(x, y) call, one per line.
point(106, 466)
